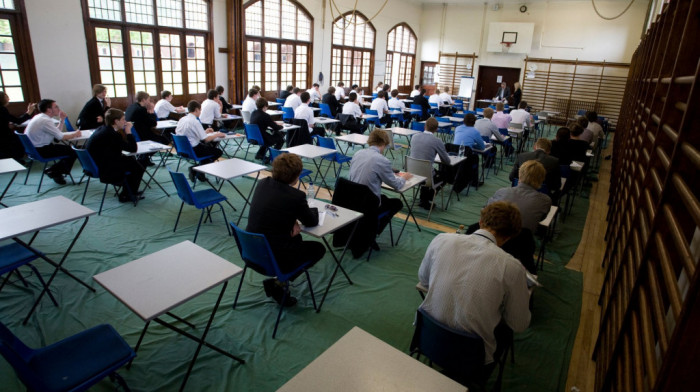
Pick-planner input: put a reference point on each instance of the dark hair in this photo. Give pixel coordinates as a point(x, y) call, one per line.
point(296, 90)
point(286, 168)
point(576, 130)
point(469, 119)
point(316, 85)
point(113, 115)
point(422, 91)
point(502, 217)
point(142, 95)
point(44, 105)
point(523, 105)
point(563, 134)
point(260, 103)
point(394, 93)
point(592, 116)
point(305, 97)
point(381, 94)
point(431, 125)
point(341, 84)
point(417, 86)
point(352, 97)
point(220, 89)
point(354, 86)
point(211, 94)
point(386, 87)
point(331, 89)
point(165, 94)
point(290, 88)
point(582, 121)
point(253, 92)
point(3, 98)
point(192, 106)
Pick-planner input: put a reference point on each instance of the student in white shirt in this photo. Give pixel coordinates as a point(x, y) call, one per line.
point(314, 93)
point(352, 108)
point(340, 91)
point(379, 87)
point(445, 97)
point(249, 102)
point(200, 139)
point(163, 107)
point(416, 91)
point(396, 103)
point(521, 116)
point(304, 112)
point(379, 104)
point(435, 98)
point(293, 101)
point(211, 109)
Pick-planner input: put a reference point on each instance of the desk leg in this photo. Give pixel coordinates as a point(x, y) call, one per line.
point(247, 199)
point(151, 177)
point(337, 266)
point(409, 215)
point(323, 179)
point(6, 188)
point(138, 344)
point(58, 266)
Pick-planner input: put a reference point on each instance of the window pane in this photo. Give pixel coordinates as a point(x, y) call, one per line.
point(143, 62)
point(196, 66)
point(170, 13)
point(111, 60)
point(7, 4)
point(272, 18)
point(253, 19)
point(170, 62)
point(105, 9)
point(139, 11)
point(196, 15)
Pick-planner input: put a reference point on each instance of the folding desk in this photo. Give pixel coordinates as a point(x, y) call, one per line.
point(9, 166)
point(405, 132)
point(312, 152)
point(162, 125)
point(155, 284)
point(229, 169)
point(236, 137)
point(36, 216)
point(151, 147)
point(361, 362)
point(411, 183)
point(352, 138)
point(324, 121)
point(548, 224)
point(333, 221)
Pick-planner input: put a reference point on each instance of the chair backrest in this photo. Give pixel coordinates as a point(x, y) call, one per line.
point(287, 113)
point(515, 125)
point(326, 142)
point(29, 146)
point(389, 133)
point(420, 167)
point(565, 171)
point(298, 136)
point(255, 249)
point(183, 147)
point(183, 187)
point(89, 166)
point(280, 101)
point(417, 126)
point(246, 116)
point(274, 153)
point(325, 110)
point(252, 132)
point(461, 354)
point(69, 126)
point(374, 95)
point(416, 107)
point(503, 131)
point(19, 355)
point(443, 119)
point(374, 120)
point(136, 135)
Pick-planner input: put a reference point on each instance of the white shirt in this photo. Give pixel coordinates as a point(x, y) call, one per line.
point(445, 97)
point(42, 131)
point(396, 103)
point(415, 93)
point(210, 111)
point(520, 116)
point(304, 112)
point(380, 88)
point(315, 95)
point(435, 99)
point(380, 105)
point(191, 127)
point(293, 101)
point(339, 93)
point(249, 105)
point(352, 108)
point(163, 108)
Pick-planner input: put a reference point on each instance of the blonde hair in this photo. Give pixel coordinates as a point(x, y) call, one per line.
point(516, 85)
point(544, 144)
point(378, 138)
point(532, 173)
point(502, 217)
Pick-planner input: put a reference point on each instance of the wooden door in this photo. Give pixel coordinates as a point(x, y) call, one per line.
point(427, 75)
point(487, 83)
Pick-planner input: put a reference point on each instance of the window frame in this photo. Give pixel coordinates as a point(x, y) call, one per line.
point(25, 56)
point(368, 90)
point(125, 27)
point(263, 40)
point(394, 54)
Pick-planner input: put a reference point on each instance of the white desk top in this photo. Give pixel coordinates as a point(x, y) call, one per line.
point(404, 131)
point(275, 112)
point(286, 127)
point(361, 362)
point(453, 159)
point(410, 110)
point(516, 131)
point(310, 151)
point(230, 168)
point(325, 120)
point(154, 284)
point(146, 147)
point(410, 183)
point(354, 138)
point(236, 107)
point(456, 119)
point(441, 124)
point(366, 96)
point(166, 124)
point(38, 215)
point(550, 216)
point(330, 223)
point(403, 94)
point(487, 147)
point(315, 109)
point(273, 104)
point(230, 136)
point(9, 165)
point(84, 135)
point(406, 100)
point(228, 117)
point(369, 116)
point(576, 166)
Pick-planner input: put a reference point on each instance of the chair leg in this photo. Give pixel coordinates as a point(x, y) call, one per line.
point(120, 381)
point(87, 184)
point(432, 205)
point(228, 228)
point(103, 196)
point(179, 160)
point(43, 284)
point(199, 224)
point(178, 216)
point(311, 289)
point(238, 292)
point(29, 169)
point(279, 314)
point(41, 179)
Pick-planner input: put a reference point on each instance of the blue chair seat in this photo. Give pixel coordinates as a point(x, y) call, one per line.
point(13, 256)
point(207, 197)
point(34, 155)
point(203, 200)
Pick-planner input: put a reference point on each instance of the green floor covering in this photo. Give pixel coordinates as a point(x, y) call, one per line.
point(382, 301)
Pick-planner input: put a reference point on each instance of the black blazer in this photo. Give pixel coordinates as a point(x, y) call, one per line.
point(423, 102)
point(506, 94)
point(226, 106)
point(105, 146)
point(87, 119)
point(550, 163)
point(516, 98)
point(10, 146)
point(331, 101)
point(275, 208)
point(264, 121)
point(284, 94)
point(143, 121)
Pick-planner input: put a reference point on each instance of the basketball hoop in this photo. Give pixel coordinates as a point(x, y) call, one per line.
point(505, 46)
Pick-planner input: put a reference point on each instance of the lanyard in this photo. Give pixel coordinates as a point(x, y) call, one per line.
point(481, 235)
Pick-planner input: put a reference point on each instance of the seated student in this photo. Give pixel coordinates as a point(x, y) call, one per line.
point(340, 91)
point(293, 101)
point(486, 127)
point(42, 132)
point(446, 99)
point(106, 145)
point(387, 91)
point(200, 139)
point(352, 108)
point(355, 89)
point(225, 106)
point(500, 119)
point(269, 129)
point(578, 147)
point(249, 103)
point(379, 104)
point(330, 99)
point(467, 135)
point(422, 101)
point(541, 151)
point(435, 98)
point(210, 109)
point(473, 285)
point(274, 211)
point(314, 92)
point(370, 167)
point(521, 116)
point(596, 129)
point(425, 146)
point(10, 146)
point(587, 134)
point(561, 148)
point(416, 91)
point(533, 206)
point(379, 87)
point(396, 104)
point(164, 106)
point(304, 112)
point(142, 114)
point(92, 114)
point(287, 92)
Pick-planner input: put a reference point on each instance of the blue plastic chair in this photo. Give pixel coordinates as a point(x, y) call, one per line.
point(376, 121)
point(256, 254)
point(13, 256)
point(325, 110)
point(287, 114)
point(305, 173)
point(458, 104)
point(375, 95)
point(203, 200)
point(280, 101)
point(69, 126)
point(445, 132)
point(418, 126)
point(73, 364)
point(91, 170)
point(185, 151)
point(338, 158)
point(434, 109)
point(253, 136)
point(34, 155)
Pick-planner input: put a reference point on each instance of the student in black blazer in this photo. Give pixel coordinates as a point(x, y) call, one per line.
point(284, 94)
point(10, 146)
point(269, 129)
point(275, 208)
point(92, 115)
point(106, 145)
point(141, 113)
point(330, 100)
point(225, 106)
point(421, 100)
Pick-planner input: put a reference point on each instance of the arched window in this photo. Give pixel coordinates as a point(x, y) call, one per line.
point(352, 52)
point(17, 72)
point(150, 45)
point(400, 57)
point(278, 42)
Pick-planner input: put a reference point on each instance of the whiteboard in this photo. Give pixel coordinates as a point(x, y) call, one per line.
point(466, 85)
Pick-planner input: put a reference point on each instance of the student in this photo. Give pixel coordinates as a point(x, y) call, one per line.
point(269, 129)
point(211, 109)
point(164, 106)
point(435, 98)
point(142, 114)
point(92, 114)
point(396, 104)
point(416, 91)
point(501, 119)
point(287, 92)
point(486, 127)
point(379, 87)
point(105, 147)
point(352, 108)
point(466, 135)
point(293, 101)
point(540, 153)
point(355, 89)
point(10, 146)
point(379, 104)
point(202, 140)
point(421, 100)
point(521, 116)
point(445, 96)
point(225, 106)
point(387, 91)
point(304, 112)
point(587, 134)
point(330, 99)
point(314, 93)
point(595, 128)
point(340, 91)
point(42, 132)
point(426, 146)
point(249, 102)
